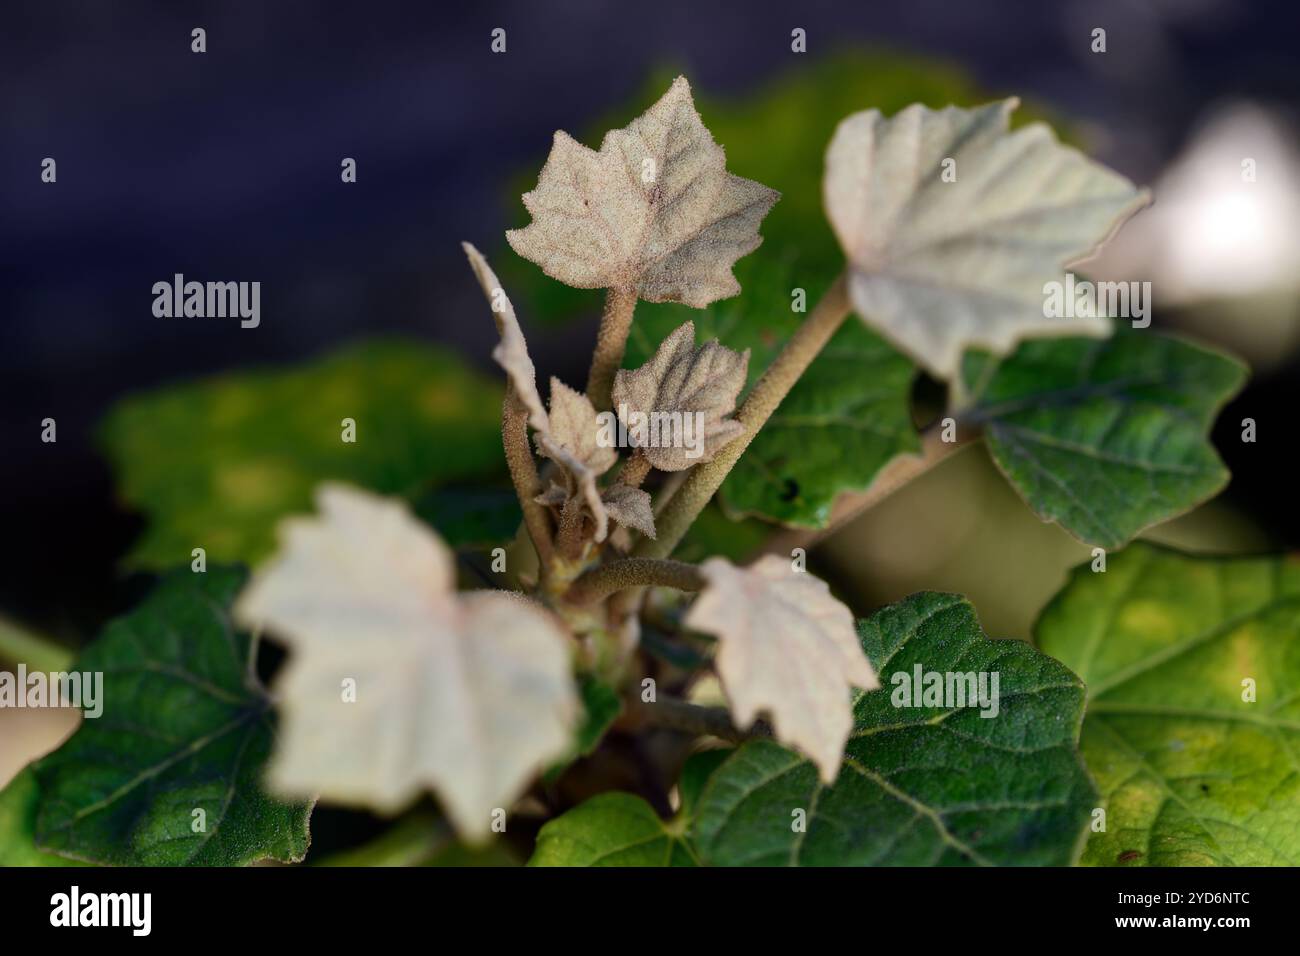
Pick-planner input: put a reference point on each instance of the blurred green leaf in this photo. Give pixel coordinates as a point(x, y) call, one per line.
point(919, 786)
point(472, 517)
point(1105, 436)
point(216, 463)
point(18, 803)
point(1191, 773)
point(185, 727)
point(612, 829)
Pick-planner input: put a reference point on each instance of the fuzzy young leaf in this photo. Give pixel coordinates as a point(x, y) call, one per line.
point(1196, 766)
point(786, 647)
point(1108, 436)
point(612, 829)
point(511, 353)
point(921, 785)
point(952, 225)
point(185, 727)
point(654, 211)
point(682, 380)
point(363, 597)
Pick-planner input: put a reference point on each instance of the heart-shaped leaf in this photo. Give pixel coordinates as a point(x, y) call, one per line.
point(655, 210)
point(920, 785)
point(612, 829)
point(396, 684)
point(952, 224)
point(214, 464)
point(1106, 437)
point(170, 773)
point(1193, 724)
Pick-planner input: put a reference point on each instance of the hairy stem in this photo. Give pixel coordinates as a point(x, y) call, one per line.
point(19, 645)
point(634, 469)
point(674, 714)
point(523, 472)
point(607, 579)
point(569, 538)
point(611, 340)
point(705, 479)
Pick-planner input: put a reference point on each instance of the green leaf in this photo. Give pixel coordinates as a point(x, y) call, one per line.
point(919, 785)
point(215, 463)
point(1106, 437)
point(612, 829)
point(1191, 774)
point(18, 803)
point(185, 727)
point(695, 775)
point(472, 517)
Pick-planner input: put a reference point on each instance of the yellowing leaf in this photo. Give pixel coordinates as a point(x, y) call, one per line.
point(512, 351)
point(395, 683)
point(787, 647)
point(682, 397)
point(654, 211)
point(952, 225)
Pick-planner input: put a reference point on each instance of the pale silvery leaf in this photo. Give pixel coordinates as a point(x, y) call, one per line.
point(630, 507)
point(785, 647)
point(512, 351)
point(654, 211)
point(690, 388)
point(573, 442)
point(941, 266)
point(469, 695)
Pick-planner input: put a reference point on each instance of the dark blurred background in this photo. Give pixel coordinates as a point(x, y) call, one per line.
point(226, 166)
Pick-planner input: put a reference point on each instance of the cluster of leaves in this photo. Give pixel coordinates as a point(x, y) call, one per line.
point(397, 683)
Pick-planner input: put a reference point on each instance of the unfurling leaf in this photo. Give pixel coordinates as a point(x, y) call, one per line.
point(787, 647)
point(940, 263)
point(654, 211)
point(469, 695)
point(630, 507)
point(683, 388)
point(512, 351)
point(572, 442)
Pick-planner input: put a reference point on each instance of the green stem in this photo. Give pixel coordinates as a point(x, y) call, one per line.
point(19, 645)
point(411, 842)
point(705, 479)
point(674, 714)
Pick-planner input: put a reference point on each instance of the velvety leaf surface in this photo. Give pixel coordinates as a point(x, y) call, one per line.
point(1190, 773)
point(185, 727)
point(215, 463)
point(1105, 437)
point(952, 223)
point(612, 829)
point(920, 785)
